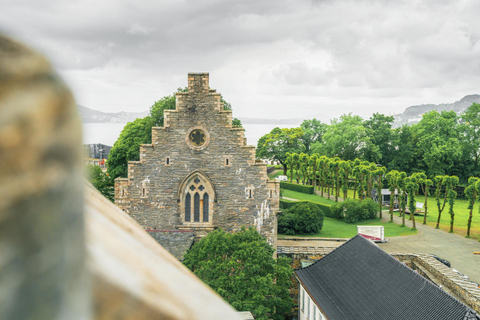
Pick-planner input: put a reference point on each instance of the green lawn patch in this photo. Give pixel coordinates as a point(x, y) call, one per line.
point(309, 197)
point(461, 216)
point(333, 228)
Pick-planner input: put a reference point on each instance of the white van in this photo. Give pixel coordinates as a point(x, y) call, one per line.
point(281, 178)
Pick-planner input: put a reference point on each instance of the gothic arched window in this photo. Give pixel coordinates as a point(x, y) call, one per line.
point(196, 194)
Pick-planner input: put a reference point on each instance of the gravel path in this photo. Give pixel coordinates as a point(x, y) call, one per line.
point(452, 247)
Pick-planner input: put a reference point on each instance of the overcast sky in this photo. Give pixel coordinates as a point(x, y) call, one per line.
point(275, 59)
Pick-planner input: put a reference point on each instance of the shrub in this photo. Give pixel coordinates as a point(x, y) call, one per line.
point(297, 187)
point(336, 211)
point(369, 209)
point(351, 211)
point(302, 218)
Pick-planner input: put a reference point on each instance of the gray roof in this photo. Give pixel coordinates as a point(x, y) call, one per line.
point(177, 242)
point(358, 280)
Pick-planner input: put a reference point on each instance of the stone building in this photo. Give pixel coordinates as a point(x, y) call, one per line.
point(198, 173)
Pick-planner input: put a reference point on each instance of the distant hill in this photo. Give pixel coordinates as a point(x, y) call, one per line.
point(93, 116)
point(413, 114)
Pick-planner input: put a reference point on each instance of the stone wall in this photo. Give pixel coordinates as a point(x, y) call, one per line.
point(241, 193)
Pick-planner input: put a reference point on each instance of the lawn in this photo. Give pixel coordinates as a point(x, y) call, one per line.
point(333, 228)
point(461, 216)
point(460, 208)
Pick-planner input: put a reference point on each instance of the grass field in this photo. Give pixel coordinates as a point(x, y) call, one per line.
point(461, 216)
point(333, 228)
point(460, 209)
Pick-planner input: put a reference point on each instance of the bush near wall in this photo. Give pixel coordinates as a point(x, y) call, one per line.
point(287, 204)
point(297, 187)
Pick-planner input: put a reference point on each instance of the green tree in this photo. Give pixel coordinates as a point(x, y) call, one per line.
point(392, 179)
point(379, 130)
point(378, 175)
point(345, 138)
point(411, 185)
point(472, 192)
point(303, 159)
point(240, 267)
point(275, 145)
point(451, 185)
point(102, 181)
point(440, 193)
point(290, 161)
point(127, 146)
point(345, 169)
point(425, 184)
point(402, 195)
point(313, 131)
point(406, 156)
point(439, 140)
point(470, 129)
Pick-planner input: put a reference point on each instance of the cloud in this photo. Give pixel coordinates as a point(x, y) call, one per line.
point(138, 29)
point(262, 55)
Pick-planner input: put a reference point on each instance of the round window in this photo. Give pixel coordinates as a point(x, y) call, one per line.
point(197, 138)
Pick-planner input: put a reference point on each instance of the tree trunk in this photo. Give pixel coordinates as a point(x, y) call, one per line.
point(425, 205)
point(469, 224)
point(392, 201)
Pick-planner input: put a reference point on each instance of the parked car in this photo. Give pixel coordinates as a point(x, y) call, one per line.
point(282, 178)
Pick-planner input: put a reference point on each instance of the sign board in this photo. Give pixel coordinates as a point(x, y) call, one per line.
point(374, 233)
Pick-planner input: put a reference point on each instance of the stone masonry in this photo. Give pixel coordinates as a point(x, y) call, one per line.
point(198, 174)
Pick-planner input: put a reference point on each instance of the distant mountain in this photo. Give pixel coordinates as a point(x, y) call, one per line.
point(413, 114)
point(93, 116)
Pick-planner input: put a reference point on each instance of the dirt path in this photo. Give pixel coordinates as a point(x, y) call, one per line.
point(452, 247)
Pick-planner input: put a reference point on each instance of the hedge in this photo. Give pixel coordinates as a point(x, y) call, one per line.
point(287, 204)
point(302, 218)
point(297, 187)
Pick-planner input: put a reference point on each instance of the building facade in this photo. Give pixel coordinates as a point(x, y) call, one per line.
point(198, 173)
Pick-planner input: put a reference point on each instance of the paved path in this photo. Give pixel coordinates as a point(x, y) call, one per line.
point(452, 247)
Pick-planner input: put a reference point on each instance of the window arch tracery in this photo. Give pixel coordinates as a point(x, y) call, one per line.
point(196, 197)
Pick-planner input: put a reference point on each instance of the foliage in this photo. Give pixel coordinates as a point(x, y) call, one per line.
point(297, 187)
point(470, 131)
point(472, 191)
point(127, 146)
point(313, 131)
point(102, 181)
point(411, 185)
point(425, 185)
point(354, 210)
point(275, 145)
point(302, 218)
point(378, 129)
point(439, 140)
point(345, 138)
point(240, 267)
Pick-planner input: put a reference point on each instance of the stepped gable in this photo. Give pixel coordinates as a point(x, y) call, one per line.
point(358, 280)
point(198, 173)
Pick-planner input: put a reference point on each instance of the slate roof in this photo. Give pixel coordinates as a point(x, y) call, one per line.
point(174, 241)
point(358, 280)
